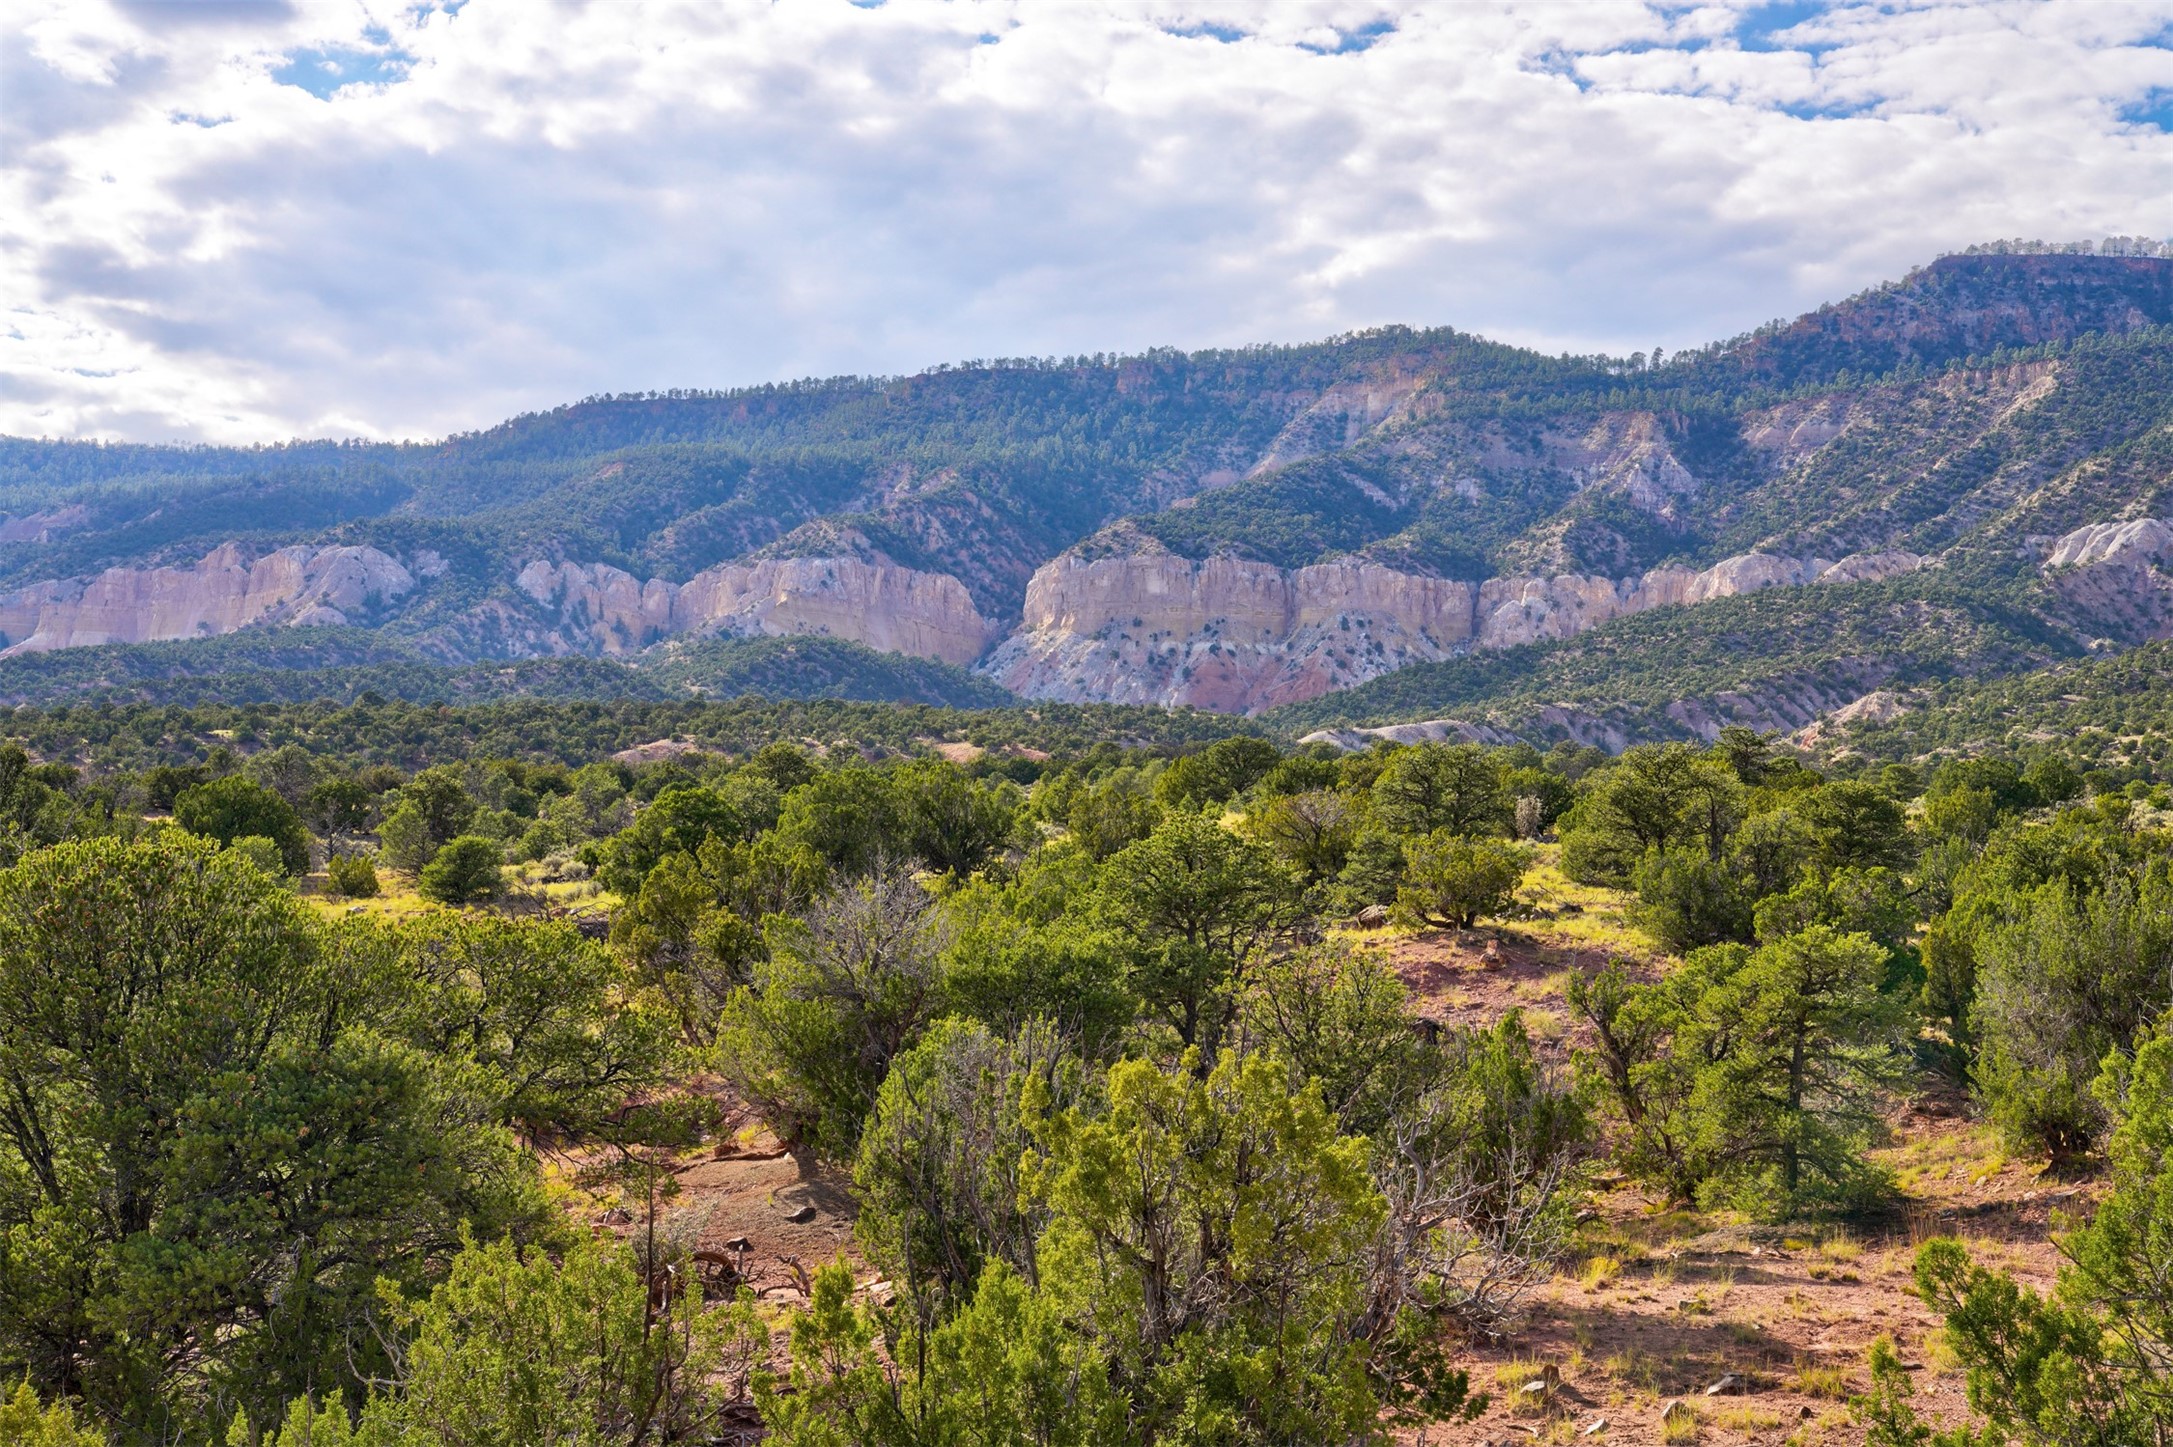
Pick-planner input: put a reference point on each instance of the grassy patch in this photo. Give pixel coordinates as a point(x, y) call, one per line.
point(1841, 1247)
point(1972, 1155)
point(1825, 1381)
point(1634, 1368)
point(1573, 916)
point(1742, 1416)
point(1514, 1377)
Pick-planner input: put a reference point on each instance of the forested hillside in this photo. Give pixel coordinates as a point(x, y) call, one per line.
point(1057, 525)
point(298, 665)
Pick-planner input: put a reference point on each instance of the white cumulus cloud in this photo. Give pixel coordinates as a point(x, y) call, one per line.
point(237, 220)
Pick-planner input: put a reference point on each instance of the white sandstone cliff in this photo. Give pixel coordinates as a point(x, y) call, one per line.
point(2115, 575)
point(1240, 636)
point(889, 608)
point(300, 586)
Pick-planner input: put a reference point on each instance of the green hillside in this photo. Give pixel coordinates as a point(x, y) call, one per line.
point(1963, 413)
point(293, 665)
point(1769, 660)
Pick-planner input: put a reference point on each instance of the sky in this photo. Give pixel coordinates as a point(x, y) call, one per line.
point(247, 220)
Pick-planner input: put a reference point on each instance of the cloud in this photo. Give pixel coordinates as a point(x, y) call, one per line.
point(236, 221)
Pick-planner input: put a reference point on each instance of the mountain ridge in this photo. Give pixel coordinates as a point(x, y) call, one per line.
point(1952, 416)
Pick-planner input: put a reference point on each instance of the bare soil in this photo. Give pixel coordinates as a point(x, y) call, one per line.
point(1658, 1305)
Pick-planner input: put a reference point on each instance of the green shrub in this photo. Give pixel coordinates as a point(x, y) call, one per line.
point(1752, 1077)
point(352, 875)
point(1429, 788)
point(234, 808)
point(2056, 990)
point(2084, 1363)
point(1687, 899)
point(1453, 880)
point(404, 835)
point(465, 871)
point(514, 1348)
point(809, 1040)
point(27, 1422)
point(261, 852)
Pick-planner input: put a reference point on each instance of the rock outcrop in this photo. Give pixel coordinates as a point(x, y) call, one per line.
point(1341, 415)
point(1425, 731)
point(43, 527)
point(1627, 453)
point(1880, 706)
point(886, 607)
point(1241, 637)
point(225, 591)
point(2115, 576)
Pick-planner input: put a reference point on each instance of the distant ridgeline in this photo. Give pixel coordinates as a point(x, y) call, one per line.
point(1960, 475)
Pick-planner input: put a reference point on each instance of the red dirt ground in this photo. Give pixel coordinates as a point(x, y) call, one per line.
point(1684, 1300)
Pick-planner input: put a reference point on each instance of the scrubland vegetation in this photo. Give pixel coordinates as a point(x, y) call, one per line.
point(343, 1101)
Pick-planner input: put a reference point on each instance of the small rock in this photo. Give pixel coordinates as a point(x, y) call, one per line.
point(739, 1243)
point(1594, 1427)
point(1535, 1388)
point(1677, 1411)
point(800, 1215)
point(1725, 1386)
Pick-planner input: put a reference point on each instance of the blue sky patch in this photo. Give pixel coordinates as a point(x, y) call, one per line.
point(1348, 42)
point(1832, 111)
point(323, 71)
point(1227, 34)
point(1761, 26)
point(2154, 109)
point(1562, 64)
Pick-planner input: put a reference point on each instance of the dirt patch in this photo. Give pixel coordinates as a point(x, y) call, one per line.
point(1471, 978)
point(1654, 1306)
point(776, 1215)
point(658, 751)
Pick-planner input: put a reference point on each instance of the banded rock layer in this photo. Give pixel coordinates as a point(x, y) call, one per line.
point(223, 592)
point(886, 607)
point(1241, 637)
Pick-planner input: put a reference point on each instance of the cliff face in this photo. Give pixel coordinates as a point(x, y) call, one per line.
point(1341, 415)
point(1241, 637)
point(1627, 453)
point(886, 607)
point(2115, 576)
point(301, 586)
